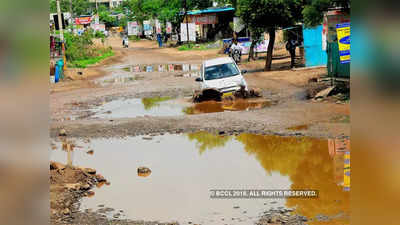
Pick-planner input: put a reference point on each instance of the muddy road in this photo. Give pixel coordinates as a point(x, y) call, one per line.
point(286, 90)
point(135, 110)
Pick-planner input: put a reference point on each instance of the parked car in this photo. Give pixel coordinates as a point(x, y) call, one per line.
point(221, 74)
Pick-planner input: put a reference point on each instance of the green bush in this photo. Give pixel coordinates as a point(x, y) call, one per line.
point(83, 63)
point(186, 47)
point(80, 51)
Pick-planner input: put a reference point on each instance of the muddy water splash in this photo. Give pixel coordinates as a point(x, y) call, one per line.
point(185, 167)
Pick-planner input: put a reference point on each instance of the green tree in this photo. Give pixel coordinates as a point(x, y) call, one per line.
point(270, 15)
point(313, 10)
point(64, 5)
point(79, 7)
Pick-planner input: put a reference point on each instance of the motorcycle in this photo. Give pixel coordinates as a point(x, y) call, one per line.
point(125, 43)
point(236, 55)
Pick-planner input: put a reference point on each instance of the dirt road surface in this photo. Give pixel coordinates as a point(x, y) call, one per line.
point(112, 100)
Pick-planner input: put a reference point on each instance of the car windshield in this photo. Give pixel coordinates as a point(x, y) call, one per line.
point(220, 71)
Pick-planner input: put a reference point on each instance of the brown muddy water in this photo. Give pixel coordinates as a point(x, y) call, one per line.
point(184, 168)
point(166, 106)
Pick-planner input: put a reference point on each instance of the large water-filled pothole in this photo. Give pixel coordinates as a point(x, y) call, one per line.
point(167, 106)
point(184, 168)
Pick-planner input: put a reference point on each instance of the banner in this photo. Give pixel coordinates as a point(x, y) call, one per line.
point(83, 20)
point(343, 37)
point(158, 27)
point(98, 27)
point(133, 28)
point(192, 32)
point(169, 28)
point(148, 29)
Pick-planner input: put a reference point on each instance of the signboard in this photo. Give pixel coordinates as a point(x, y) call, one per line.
point(203, 19)
point(133, 28)
point(83, 20)
point(148, 29)
point(343, 37)
point(98, 27)
point(169, 28)
point(192, 32)
point(158, 27)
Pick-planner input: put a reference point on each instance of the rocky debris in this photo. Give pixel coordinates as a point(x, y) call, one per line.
point(62, 133)
point(90, 152)
point(56, 166)
point(143, 171)
point(68, 184)
point(89, 171)
point(281, 216)
point(324, 93)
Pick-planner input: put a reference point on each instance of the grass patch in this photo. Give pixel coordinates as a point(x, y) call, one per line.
point(204, 46)
point(83, 63)
point(134, 38)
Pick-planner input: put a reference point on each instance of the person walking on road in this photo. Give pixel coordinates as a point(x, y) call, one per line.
point(291, 47)
point(125, 42)
point(159, 40)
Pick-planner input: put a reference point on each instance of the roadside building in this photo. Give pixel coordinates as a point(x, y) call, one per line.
point(212, 23)
point(338, 68)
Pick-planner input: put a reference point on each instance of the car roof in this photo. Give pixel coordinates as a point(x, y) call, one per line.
point(218, 61)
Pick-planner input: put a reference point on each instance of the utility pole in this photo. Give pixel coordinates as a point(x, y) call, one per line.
point(187, 25)
point(60, 26)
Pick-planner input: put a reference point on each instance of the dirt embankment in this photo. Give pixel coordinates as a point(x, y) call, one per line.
point(67, 185)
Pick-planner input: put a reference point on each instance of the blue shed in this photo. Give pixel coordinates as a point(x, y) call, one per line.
point(314, 55)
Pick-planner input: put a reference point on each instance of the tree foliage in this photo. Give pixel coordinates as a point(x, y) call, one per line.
point(269, 15)
point(313, 10)
point(79, 7)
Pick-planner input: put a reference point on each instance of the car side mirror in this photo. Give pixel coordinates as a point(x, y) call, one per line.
point(199, 79)
point(244, 71)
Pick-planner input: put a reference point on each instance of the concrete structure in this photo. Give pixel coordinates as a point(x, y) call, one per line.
point(314, 53)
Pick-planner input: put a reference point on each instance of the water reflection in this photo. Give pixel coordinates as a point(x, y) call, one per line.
point(187, 166)
point(205, 140)
point(310, 164)
point(236, 105)
point(127, 108)
point(149, 103)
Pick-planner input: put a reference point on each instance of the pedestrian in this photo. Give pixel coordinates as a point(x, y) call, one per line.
point(125, 42)
point(291, 47)
point(165, 37)
point(159, 39)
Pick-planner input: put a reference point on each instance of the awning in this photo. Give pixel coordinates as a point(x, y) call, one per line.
point(209, 10)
